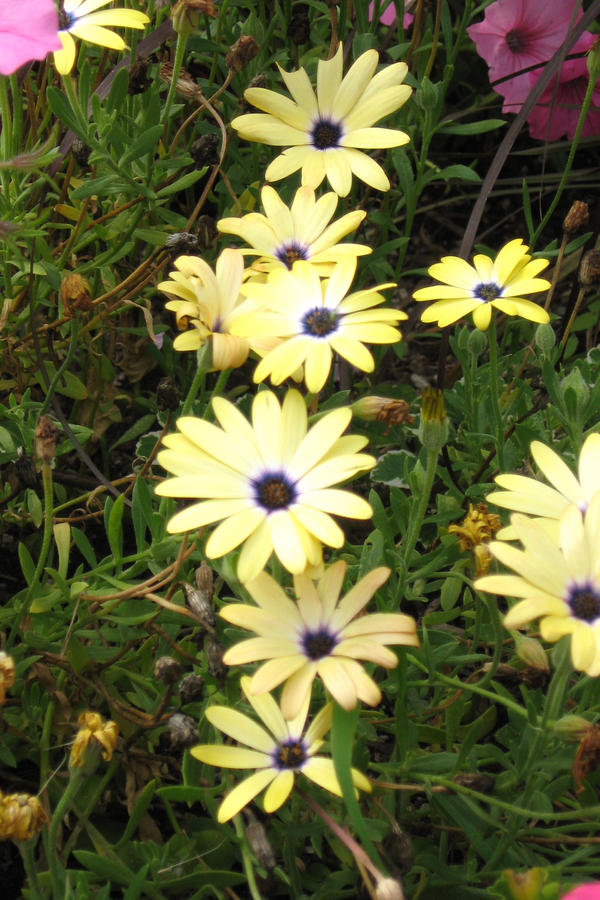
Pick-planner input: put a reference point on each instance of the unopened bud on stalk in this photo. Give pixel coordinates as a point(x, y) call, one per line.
point(7, 675)
point(214, 656)
point(545, 339)
point(589, 270)
point(577, 217)
point(75, 293)
point(593, 60)
point(44, 440)
point(186, 86)
point(571, 727)
point(241, 53)
point(476, 343)
point(191, 688)
point(21, 817)
point(382, 409)
point(433, 427)
point(183, 731)
point(187, 13)
point(531, 652)
point(167, 669)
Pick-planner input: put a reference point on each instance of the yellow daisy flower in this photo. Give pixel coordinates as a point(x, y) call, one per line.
point(277, 752)
point(320, 635)
point(209, 303)
point(559, 583)
point(268, 482)
point(323, 133)
point(302, 231)
point(527, 495)
point(487, 283)
point(312, 319)
point(79, 18)
point(95, 736)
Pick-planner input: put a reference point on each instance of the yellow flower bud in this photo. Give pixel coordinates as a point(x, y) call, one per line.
point(95, 737)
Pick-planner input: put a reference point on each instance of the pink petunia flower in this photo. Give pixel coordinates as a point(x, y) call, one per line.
point(516, 34)
point(584, 892)
point(28, 30)
point(388, 17)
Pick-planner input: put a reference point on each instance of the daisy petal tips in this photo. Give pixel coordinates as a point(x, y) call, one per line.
point(325, 133)
point(84, 19)
point(268, 482)
point(487, 283)
point(277, 750)
point(320, 635)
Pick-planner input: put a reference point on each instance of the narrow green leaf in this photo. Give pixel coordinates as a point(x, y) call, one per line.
point(141, 805)
point(140, 427)
point(471, 127)
point(114, 531)
point(84, 547)
point(27, 563)
point(182, 183)
point(62, 538)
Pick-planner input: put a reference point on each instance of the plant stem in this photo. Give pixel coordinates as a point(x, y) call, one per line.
point(27, 854)
point(495, 391)
point(198, 380)
point(416, 518)
point(182, 40)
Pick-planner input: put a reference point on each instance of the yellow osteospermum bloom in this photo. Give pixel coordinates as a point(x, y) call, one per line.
point(323, 133)
point(526, 495)
point(277, 752)
point(320, 635)
point(487, 283)
point(80, 18)
point(268, 482)
point(312, 319)
point(208, 302)
point(302, 231)
point(558, 583)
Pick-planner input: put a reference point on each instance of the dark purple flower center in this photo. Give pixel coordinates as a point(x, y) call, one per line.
point(487, 292)
point(516, 40)
point(326, 134)
point(320, 321)
point(318, 644)
point(274, 491)
point(291, 253)
point(585, 603)
point(290, 754)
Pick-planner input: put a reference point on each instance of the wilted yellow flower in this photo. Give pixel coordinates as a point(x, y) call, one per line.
point(7, 675)
point(477, 528)
point(21, 816)
point(94, 735)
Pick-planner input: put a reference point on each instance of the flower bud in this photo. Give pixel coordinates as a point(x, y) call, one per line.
point(476, 343)
point(433, 427)
point(577, 217)
point(187, 13)
point(167, 669)
point(241, 53)
point(21, 816)
point(7, 675)
point(531, 652)
point(575, 384)
point(183, 731)
point(389, 889)
point(205, 149)
point(525, 885)
point(589, 270)
point(259, 843)
point(44, 440)
point(75, 293)
point(167, 394)
point(191, 688)
point(571, 727)
point(182, 243)
point(95, 737)
point(382, 409)
point(214, 657)
point(592, 60)
point(186, 86)
point(545, 339)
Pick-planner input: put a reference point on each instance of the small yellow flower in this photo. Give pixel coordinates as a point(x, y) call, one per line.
point(209, 303)
point(474, 533)
point(277, 752)
point(310, 319)
point(302, 231)
point(320, 635)
point(323, 133)
point(487, 283)
point(21, 816)
point(80, 18)
point(558, 583)
point(7, 675)
point(268, 482)
point(527, 495)
point(95, 735)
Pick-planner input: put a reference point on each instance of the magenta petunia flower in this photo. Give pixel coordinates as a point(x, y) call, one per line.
point(28, 30)
point(557, 112)
point(388, 16)
point(584, 892)
point(516, 34)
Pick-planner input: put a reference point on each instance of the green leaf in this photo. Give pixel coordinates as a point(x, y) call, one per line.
point(463, 173)
point(85, 548)
point(182, 183)
point(62, 538)
point(33, 504)
point(146, 143)
point(471, 127)
point(63, 111)
point(140, 427)
point(141, 805)
point(136, 888)
point(527, 210)
point(108, 869)
point(114, 530)
point(27, 563)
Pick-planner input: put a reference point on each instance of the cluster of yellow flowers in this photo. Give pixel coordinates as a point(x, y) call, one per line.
point(270, 483)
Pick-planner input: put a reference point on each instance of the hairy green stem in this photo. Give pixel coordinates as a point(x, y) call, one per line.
point(495, 391)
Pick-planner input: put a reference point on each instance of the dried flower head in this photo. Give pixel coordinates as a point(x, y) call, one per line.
point(7, 674)
point(95, 736)
point(21, 816)
point(477, 528)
